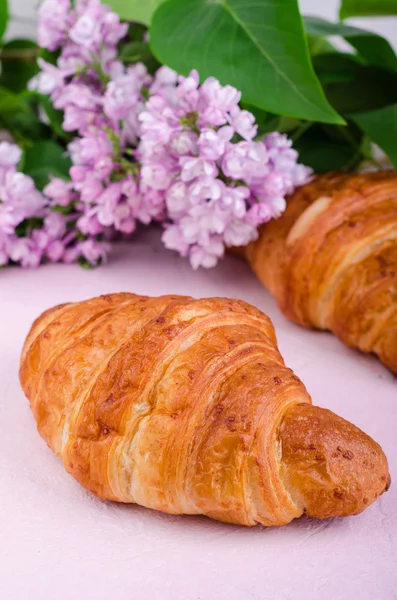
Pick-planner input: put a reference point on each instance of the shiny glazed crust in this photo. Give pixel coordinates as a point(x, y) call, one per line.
point(331, 259)
point(184, 406)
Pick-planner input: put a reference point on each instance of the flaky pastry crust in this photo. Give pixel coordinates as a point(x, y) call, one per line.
point(186, 406)
point(331, 259)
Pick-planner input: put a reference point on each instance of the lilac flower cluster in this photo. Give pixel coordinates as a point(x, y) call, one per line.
point(218, 184)
point(145, 148)
point(30, 230)
point(101, 100)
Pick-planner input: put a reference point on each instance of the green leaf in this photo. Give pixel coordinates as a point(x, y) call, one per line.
point(367, 8)
point(18, 63)
point(45, 159)
point(28, 225)
point(55, 118)
point(138, 11)
point(372, 47)
point(319, 45)
point(134, 52)
point(288, 125)
point(353, 87)
point(50, 57)
point(325, 155)
point(19, 115)
point(328, 148)
point(258, 47)
point(336, 67)
point(381, 126)
point(3, 16)
point(64, 210)
point(13, 109)
point(27, 128)
point(10, 104)
point(136, 33)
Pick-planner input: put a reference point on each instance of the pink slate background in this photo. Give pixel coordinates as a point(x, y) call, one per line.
point(58, 542)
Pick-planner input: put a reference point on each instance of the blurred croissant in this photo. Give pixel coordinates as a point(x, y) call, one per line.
point(186, 406)
point(331, 260)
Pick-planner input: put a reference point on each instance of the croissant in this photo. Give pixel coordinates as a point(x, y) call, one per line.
point(330, 261)
point(186, 406)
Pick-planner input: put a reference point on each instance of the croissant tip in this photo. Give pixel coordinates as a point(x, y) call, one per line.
point(330, 466)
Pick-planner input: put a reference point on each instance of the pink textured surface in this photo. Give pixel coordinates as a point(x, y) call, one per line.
point(58, 542)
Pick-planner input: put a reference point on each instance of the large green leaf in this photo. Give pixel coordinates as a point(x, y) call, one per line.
point(138, 11)
point(381, 126)
point(367, 8)
point(3, 16)
point(257, 46)
point(18, 63)
point(329, 148)
point(373, 48)
point(45, 159)
point(325, 155)
point(336, 67)
point(353, 87)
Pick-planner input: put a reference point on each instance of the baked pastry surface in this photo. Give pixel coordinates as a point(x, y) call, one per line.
point(186, 406)
point(331, 259)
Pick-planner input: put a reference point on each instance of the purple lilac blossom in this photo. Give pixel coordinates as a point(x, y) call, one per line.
point(186, 157)
point(218, 185)
point(30, 231)
point(101, 100)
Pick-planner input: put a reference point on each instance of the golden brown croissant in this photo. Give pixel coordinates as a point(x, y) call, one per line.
point(186, 406)
point(331, 259)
